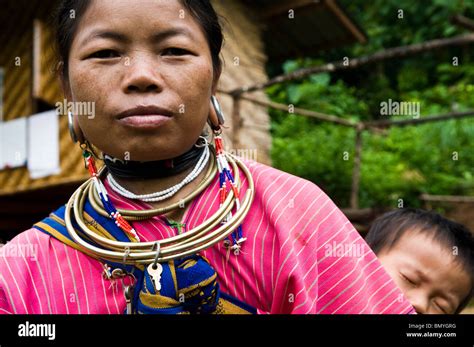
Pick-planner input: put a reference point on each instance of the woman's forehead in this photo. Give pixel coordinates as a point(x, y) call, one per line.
point(122, 17)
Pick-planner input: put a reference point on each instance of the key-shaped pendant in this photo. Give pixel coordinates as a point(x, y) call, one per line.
point(155, 270)
point(129, 298)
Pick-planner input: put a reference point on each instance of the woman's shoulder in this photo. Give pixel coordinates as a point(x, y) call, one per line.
point(25, 245)
point(282, 194)
point(269, 178)
point(31, 236)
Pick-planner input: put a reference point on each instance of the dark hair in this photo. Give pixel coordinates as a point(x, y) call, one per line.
point(388, 229)
point(202, 11)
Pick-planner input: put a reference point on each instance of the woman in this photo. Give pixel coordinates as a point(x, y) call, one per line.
point(174, 224)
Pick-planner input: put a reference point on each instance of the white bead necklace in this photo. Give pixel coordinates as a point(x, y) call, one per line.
point(167, 193)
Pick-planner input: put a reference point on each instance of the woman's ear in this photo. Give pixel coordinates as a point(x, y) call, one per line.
point(73, 121)
point(215, 80)
point(213, 119)
point(64, 80)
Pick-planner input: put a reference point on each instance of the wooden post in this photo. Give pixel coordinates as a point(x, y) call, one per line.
point(308, 113)
point(37, 31)
point(463, 21)
point(356, 62)
point(356, 170)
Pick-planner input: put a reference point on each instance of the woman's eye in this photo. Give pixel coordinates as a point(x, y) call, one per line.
point(105, 54)
point(175, 51)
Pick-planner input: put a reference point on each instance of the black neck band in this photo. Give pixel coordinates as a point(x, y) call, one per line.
point(153, 169)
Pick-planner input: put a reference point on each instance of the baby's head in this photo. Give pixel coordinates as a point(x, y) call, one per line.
point(428, 256)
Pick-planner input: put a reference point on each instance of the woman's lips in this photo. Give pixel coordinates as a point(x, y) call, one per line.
point(145, 121)
point(145, 116)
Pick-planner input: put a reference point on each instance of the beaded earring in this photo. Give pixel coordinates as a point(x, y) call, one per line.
point(226, 179)
point(89, 162)
point(105, 199)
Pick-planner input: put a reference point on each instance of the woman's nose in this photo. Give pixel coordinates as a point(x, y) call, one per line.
point(142, 75)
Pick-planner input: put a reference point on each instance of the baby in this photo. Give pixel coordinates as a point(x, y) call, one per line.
point(428, 256)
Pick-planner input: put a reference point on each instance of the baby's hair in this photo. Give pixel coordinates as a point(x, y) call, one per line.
point(389, 228)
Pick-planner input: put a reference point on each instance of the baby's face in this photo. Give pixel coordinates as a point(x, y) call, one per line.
point(427, 273)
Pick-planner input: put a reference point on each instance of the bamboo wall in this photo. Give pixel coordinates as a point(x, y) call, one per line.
point(245, 60)
point(21, 100)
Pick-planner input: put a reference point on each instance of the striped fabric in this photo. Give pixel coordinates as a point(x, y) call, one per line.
point(301, 256)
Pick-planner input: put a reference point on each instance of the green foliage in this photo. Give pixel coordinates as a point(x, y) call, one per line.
point(315, 152)
point(400, 162)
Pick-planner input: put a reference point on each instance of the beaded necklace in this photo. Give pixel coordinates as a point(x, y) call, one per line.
point(199, 238)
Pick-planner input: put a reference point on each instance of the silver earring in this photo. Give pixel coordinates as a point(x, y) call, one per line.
point(217, 107)
point(72, 132)
point(201, 142)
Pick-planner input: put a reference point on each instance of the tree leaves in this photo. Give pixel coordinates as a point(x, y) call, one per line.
point(434, 158)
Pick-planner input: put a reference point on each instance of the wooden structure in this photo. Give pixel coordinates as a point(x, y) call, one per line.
point(256, 31)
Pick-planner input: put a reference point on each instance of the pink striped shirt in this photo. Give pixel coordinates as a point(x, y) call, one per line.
point(302, 255)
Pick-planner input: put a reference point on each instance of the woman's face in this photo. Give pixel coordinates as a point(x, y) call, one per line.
point(138, 61)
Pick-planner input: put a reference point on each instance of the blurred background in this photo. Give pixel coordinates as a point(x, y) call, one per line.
point(420, 52)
